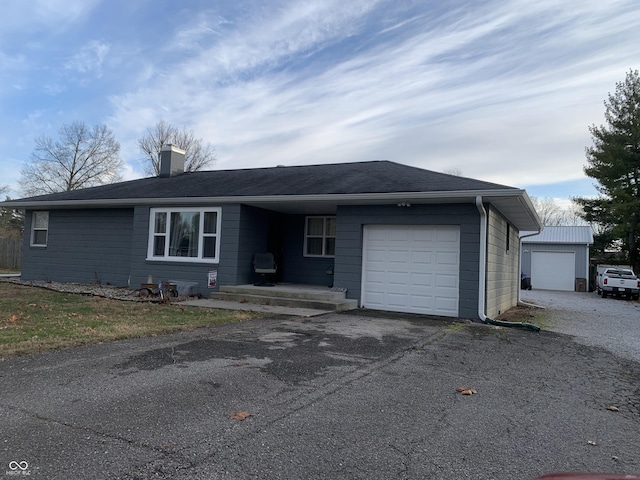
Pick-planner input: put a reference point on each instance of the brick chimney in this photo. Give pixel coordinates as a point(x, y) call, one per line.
point(171, 160)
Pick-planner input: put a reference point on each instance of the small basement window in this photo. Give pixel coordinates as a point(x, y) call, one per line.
point(320, 237)
point(39, 229)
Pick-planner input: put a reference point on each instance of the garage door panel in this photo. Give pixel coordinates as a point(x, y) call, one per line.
point(423, 235)
point(396, 299)
point(398, 235)
point(398, 256)
point(446, 304)
point(446, 281)
point(421, 280)
point(421, 301)
point(397, 278)
point(447, 259)
point(376, 255)
point(411, 268)
point(376, 276)
point(422, 257)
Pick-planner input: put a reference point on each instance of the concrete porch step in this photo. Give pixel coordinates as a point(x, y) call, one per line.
point(295, 296)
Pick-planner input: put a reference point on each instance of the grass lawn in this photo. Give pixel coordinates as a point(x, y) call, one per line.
point(35, 320)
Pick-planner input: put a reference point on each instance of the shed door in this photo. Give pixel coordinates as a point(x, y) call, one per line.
point(553, 270)
point(411, 268)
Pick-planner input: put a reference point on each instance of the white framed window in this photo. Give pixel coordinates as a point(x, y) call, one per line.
point(184, 234)
point(39, 229)
point(320, 237)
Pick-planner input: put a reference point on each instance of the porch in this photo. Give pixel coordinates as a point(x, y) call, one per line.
point(282, 298)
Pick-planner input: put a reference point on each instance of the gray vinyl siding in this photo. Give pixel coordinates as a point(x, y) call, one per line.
point(242, 233)
point(297, 267)
point(83, 246)
point(349, 244)
point(581, 255)
point(110, 246)
point(503, 278)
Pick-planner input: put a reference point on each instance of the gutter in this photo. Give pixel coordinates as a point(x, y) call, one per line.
point(392, 197)
point(482, 280)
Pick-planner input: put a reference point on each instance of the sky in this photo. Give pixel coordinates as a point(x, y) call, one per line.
point(502, 91)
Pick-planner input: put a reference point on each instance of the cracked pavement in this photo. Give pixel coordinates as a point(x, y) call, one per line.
point(370, 396)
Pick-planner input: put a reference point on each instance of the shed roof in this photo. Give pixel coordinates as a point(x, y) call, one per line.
point(573, 235)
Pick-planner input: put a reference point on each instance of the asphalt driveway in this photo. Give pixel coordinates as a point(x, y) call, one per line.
point(339, 396)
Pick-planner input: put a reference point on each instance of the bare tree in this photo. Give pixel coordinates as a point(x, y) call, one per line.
point(81, 157)
point(198, 155)
point(553, 215)
point(453, 171)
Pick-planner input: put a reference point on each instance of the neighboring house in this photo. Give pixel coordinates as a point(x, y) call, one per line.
point(399, 238)
point(557, 258)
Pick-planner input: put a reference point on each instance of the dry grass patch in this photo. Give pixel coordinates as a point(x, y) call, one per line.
point(526, 314)
point(35, 319)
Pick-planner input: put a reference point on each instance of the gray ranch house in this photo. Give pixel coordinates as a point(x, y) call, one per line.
point(394, 237)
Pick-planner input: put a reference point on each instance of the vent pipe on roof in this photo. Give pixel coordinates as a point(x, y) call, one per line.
point(171, 160)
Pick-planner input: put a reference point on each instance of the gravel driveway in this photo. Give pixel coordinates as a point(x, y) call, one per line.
point(610, 323)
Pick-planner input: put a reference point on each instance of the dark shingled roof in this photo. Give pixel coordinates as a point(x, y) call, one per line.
point(332, 179)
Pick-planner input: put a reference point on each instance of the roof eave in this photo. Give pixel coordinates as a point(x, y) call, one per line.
point(128, 202)
point(512, 197)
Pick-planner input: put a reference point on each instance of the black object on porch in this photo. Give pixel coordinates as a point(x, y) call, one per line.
point(264, 264)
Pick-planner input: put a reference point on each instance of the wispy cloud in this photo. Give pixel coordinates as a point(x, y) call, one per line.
point(37, 15)
point(89, 60)
point(501, 90)
point(476, 89)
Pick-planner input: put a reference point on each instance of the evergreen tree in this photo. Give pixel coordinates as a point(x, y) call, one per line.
point(614, 161)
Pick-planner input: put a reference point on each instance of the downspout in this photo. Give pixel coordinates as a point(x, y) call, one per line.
point(482, 271)
point(520, 302)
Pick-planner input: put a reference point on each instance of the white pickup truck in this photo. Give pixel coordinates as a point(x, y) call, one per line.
point(618, 281)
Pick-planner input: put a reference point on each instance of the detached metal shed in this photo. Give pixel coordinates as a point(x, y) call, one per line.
point(557, 258)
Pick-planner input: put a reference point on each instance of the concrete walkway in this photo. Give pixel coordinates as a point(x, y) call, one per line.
point(252, 307)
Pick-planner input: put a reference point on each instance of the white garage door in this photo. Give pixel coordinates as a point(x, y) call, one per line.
point(411, 268)
point(553, 270)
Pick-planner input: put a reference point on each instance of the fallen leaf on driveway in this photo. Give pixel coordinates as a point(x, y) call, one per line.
point(613, 408)
point(466, 390)
point(240, 415)
point(591, 442)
